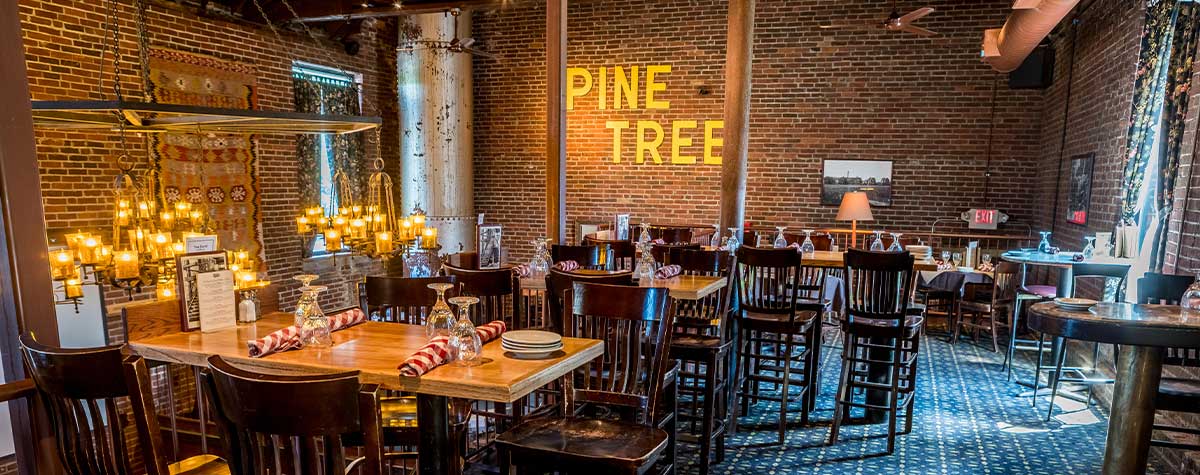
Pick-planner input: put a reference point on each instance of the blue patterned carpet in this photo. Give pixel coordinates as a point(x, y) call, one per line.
point(969, 420)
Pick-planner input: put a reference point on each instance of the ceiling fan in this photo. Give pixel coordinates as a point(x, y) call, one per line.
point(455, 45)
point(894, 22)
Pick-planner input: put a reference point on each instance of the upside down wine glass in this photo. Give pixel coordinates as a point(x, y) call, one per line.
point(716, 240)
point(733, 243)
point(1089, 250)
point(540, 263)
point(877, 243)
point(440, 319)
point(1044, 246)
point(306, 299)
point(807, 247)
point(780, 239)
point(1190, 301)
point(315, 331)
point(465, 346)
point(896, 247)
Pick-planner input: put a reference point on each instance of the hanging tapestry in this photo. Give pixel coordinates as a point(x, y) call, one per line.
point(322, 154)
point(214, 172)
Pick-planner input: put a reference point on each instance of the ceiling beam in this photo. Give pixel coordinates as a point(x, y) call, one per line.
point(318, 12)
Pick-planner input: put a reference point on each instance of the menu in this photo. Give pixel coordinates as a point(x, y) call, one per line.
point(215, 293)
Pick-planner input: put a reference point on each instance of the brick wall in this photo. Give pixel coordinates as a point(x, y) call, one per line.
point(62, 46)
point(817, 94)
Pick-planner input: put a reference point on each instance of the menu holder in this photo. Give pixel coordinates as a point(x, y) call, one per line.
point(187, 267)
point(215, 300)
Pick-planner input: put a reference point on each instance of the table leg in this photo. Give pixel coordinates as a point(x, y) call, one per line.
point(1128, 446)
point(435, 449)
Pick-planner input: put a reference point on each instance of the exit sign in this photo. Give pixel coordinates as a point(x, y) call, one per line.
point(978, 218)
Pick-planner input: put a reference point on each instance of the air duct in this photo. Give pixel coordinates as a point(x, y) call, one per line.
point(1031, 20)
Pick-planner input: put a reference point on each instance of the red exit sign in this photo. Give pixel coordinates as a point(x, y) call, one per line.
point(984, 218)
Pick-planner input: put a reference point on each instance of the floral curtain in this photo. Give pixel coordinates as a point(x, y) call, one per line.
point(1160, 104)
point(323, 95)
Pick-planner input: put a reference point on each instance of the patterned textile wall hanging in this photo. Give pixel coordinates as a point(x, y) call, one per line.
point(216, 170)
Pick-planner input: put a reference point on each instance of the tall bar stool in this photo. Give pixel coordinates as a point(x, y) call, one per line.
point(80, 389)
point(1031, 294)
point(769, 283)
point(612, 402)
point(557, 284)
point(1174, 393)
point(1058, 349)
point(985, 302)
point(401, 299)
point(618, 253)
point(701, 342)
point(588, 257)
point(881, 339)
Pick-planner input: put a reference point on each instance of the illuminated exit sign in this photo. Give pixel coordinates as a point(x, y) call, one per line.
point(978, 218)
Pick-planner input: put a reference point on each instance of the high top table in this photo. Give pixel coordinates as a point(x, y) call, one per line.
point(1061, 261)
point(1143, 331)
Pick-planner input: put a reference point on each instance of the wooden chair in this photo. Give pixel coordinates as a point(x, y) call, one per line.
point(667, 254)
point(983, 301)
point(588, 257)
point(881, 339)
point(261, 416)
point(558, 282)
point(1174, 393)
point(701, 342)
point(768, 284)
point(620, 251)
point(670, 234)
point(82, 387)
point(1058, 350)
point(401, 299)
point(463, 260)
point(612, 402)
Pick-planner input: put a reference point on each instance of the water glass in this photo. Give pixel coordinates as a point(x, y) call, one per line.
point(807, 247)
point(440, 319)
point(780, 239)
point(314, 331)
point(465, 346)
point(877, 243)
point(896, 247)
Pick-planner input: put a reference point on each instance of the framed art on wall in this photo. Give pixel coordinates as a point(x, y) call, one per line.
point(187, 267)
point(871, 176)
point(1079, 195)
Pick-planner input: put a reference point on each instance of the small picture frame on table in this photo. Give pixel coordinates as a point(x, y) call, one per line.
point(621, 227)
point(489, 246)
point(187, 266)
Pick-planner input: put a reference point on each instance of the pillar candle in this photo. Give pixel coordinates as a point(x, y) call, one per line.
point(143, 210)
point(127, 266)
point(62, 265)
point(358, 228)
point(123, 217)
point(73, 289)
point(165, 290)
point(383, 242)
point(429, 238)
point(302, 224)
point(89, 252)
point(75, 242)
point(161, 247)
point(333, 240)
point(406, 230)
point(104, 255)
point(167, 220)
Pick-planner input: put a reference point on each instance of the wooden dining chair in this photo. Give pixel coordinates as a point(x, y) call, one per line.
point(1175, 393)
point(557, 284)
point(667, 254)
point(774, 335)
point(701, 342)
point(263, 416)
point(620, 251)
point(463, 260)
point(984, 302)
point(85, 393)
point(588, 257)
point(880, 342)
point(401, 299)
point(670, 234)
point(612, 402)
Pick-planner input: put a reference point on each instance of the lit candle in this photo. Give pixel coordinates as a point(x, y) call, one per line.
point(241, 257)
point(406, 229)
point(418, 222)
point(143, 209)
point(75, 242)
point(162, 246)
point(197, 217)
point(167, 219)
point(104, 255)
point(137, 240)
point(182, 208)
point(62, 265)
point(165, 290)
point(314, 211)
point(333, 240)
point(127, 265)
point(429, 238)
point(177, 248)
point(383, 242)
point(73, 289)
point(302, 224)
point(358, 228)
point(89, 254)
point(245, 279)
point(123, 217)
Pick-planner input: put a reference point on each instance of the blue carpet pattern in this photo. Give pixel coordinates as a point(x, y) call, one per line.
point(968, 420)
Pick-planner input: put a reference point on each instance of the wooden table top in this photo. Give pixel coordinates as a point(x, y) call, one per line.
point(1120, 323)
point(376, 349)
point(838, 259)
point(1062, 259)
point(681, 287)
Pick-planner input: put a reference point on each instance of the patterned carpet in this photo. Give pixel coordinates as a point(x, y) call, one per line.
point(968, 421)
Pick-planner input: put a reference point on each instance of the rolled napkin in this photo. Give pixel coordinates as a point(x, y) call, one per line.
point(941, 265)
point(522, 270)
point(437, 352)
point(566, 266)
point(659, 241)
point(795, 246)
point(986, 267)
point(667, 272)
point(288, 338)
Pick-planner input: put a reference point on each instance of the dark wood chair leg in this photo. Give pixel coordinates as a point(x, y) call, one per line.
point(843, 385)
point(785, 355)
point(710, 408)
point(897, 357)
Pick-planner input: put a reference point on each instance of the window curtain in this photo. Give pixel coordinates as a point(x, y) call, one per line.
point(1156, 124)
point(323, 95)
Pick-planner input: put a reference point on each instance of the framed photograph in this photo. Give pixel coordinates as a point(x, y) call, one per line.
point(871, 176)
point(187, 267)
point(489, 246)
point(205, 243)
point(1079, 197)
point(621, 227)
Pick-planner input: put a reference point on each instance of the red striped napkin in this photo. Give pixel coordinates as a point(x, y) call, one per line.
point(566, 266)
point(659, 241)
point(522, 270)
point(437, 352)
point(667, 272)
point(288, 338)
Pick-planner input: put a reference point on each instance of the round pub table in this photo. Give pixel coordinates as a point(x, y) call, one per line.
point(1143, 331)
point(1063, 262)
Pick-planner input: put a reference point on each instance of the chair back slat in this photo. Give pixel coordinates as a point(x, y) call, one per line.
point(1104, 272)
point(768, 280)
point(557, 284)
point(401, 299)
point(499, 293)
point(877, 285)
point(634, 323)
point(91, 395)
point(588, 257)
point(696, 316)
point(667, 254)
point(1167, 289)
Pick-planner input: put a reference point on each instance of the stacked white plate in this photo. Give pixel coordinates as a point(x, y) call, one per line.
point(919, 252)
point(531, 343)
point(1074, 305)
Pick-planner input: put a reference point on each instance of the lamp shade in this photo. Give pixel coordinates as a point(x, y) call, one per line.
point(855, 207)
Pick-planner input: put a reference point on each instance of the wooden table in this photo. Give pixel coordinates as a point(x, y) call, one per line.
point(376, 349)
point(681, 287)
point(838, 259)
point(1143, 331)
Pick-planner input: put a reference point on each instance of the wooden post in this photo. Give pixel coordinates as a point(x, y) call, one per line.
point(26, 294)
point(556, 120)
point(739, 53)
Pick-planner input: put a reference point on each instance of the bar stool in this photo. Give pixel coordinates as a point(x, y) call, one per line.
point(1026, 293)
point(769, 284)
point(1174, 393)
point(881, 339)
point(701, 342)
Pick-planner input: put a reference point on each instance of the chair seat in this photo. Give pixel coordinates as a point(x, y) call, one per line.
point(984, 307)
point(690, 340)
point(1042, 291)
point(200, 465)
point(774, 321)
point(875, 327)
point(1178, 394)
point(586, 441)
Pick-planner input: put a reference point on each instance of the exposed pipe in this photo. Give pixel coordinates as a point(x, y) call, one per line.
point(1031, 20)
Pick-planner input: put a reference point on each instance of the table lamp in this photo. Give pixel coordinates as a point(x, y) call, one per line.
point(855, 207)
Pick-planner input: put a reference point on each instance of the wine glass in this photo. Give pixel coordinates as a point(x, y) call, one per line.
point(733, 243)
point(644, 235)
point(314, 331)
point(1089, 250)
point(465, 345)
point(645, 265)
point(716, 242)
point(780, 239)
point(440, 319)
point(945, 257)
point(986, 258)
point(957, 258)
point(307, 299)
point(540, 263)
point(1044, 246)
point(1190, 301)
point(896, 247)
point(877, 243)
point(807, 247)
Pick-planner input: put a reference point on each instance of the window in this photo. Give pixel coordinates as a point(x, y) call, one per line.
point(322, 90)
